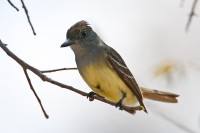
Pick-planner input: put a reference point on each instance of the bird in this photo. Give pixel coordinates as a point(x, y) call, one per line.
point(104, 70)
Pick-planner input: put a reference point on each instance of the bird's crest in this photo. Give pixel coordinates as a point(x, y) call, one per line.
point(77, 28)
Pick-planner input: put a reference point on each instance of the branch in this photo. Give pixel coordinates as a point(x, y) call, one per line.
point(31, 86)
point(29, 21)
point(174, 121)
point(192, 13)
point(43, 77)
point(13, 5)
point(55, 70)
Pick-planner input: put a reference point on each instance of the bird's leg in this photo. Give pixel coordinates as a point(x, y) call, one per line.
point(119, 103)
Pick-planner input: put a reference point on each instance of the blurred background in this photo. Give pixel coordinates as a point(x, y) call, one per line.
point(149, 35)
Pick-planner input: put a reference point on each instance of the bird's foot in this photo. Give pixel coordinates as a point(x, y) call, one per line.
point(119, 104)
point(90, 95)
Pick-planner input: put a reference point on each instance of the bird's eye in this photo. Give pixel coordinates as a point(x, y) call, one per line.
point(83, 34)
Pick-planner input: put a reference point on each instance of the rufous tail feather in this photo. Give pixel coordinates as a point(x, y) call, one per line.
point(157, 95)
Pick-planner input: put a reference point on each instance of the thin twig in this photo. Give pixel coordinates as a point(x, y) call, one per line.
point(55, 70)
point(184, 128)
point(13, 5)
point(43, 77)
point(158, 112)
point(29, 21)
point(191, 15)
point(38, 99)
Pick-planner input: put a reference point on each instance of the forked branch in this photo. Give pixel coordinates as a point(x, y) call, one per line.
point(43, 77)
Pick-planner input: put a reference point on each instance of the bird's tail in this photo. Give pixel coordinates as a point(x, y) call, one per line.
point(157, 95)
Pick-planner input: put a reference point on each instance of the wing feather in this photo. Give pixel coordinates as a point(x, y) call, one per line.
point(116, 62)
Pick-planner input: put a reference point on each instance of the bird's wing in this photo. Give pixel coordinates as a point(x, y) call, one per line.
point(116, 62)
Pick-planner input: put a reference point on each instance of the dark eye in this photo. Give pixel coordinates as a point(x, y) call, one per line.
point(83, 34)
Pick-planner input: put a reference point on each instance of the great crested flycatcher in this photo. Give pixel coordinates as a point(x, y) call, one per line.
point(104, 70)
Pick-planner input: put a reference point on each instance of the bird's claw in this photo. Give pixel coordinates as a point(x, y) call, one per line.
point(90, 95)
point(119, 104)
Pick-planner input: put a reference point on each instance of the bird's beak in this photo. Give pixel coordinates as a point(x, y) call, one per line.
point(68, 42)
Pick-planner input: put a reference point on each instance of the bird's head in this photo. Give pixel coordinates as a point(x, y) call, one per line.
point(81, 37)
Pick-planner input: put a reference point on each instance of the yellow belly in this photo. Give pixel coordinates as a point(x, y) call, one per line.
point(104, 81)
